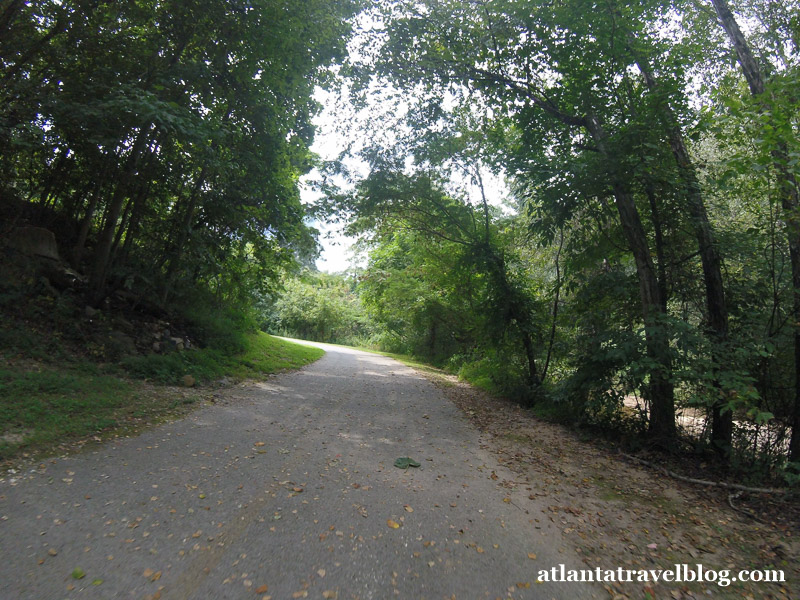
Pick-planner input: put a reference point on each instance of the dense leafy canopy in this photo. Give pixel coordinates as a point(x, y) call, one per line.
point(646, 262)
point(166, 138)
point(656, 199)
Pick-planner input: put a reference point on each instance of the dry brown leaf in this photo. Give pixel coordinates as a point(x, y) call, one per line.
point(262, 589)
point(393, 524)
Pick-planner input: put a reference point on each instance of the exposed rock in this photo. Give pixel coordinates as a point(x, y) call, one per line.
point(157, 347)
point(62, 276)
point(188, 381)
point(124, 324)
point(121, 343)
point(34, 241)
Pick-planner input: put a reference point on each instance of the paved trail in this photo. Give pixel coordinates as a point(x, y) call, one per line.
point(287, 484)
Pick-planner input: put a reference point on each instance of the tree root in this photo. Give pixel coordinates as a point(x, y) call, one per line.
point(723, 484)
point(744, 511)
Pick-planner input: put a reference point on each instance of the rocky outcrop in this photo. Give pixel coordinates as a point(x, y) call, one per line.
point(34, 241)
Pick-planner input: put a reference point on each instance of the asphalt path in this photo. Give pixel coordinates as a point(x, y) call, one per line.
point(287, 489)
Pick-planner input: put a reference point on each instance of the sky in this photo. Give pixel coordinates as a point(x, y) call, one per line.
point(329, 141)
point(336, 253)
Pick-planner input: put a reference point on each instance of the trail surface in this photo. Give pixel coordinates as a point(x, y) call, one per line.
point(286, 489)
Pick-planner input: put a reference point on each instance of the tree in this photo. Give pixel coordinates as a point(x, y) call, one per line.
point(532, 58)
point(781, 141)
point(388, 201)
point(169, 136)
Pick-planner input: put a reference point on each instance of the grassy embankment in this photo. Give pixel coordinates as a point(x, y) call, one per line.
point(49, 405)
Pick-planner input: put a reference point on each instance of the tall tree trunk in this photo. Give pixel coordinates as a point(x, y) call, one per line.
point(658, 233)
point(790, 202)
point(183, 233)
point(86, 225)
point(661, 392)
point(102, 253)
point(516, 311)
point(556, 299)
point(533, 376)
point(716, 304)
point(135, 220)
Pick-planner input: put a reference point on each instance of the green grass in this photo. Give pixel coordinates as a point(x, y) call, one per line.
point(49, 405)
point(263, 355)
point(45, 406)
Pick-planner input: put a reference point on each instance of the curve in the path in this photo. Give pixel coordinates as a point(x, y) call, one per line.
point(285, 490)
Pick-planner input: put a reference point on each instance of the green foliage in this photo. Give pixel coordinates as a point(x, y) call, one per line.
point(592, 117)
point(162, 137)
point(498, 370)
point(319, 307)
point(791, 474)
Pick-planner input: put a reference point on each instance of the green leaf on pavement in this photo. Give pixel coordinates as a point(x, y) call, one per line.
point(405, 462)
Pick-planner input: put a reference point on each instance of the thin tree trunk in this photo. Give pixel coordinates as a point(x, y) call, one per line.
point(662, 397)
point(661, 392)
point(123, 225)
point(716, 304)
point(658, 230)
point(86, 224)
point(183, 233)
point(102, 254)
point(515, 312)
point(135, 220)
point(788, 194)
point(555, 308)
point(533, 377)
